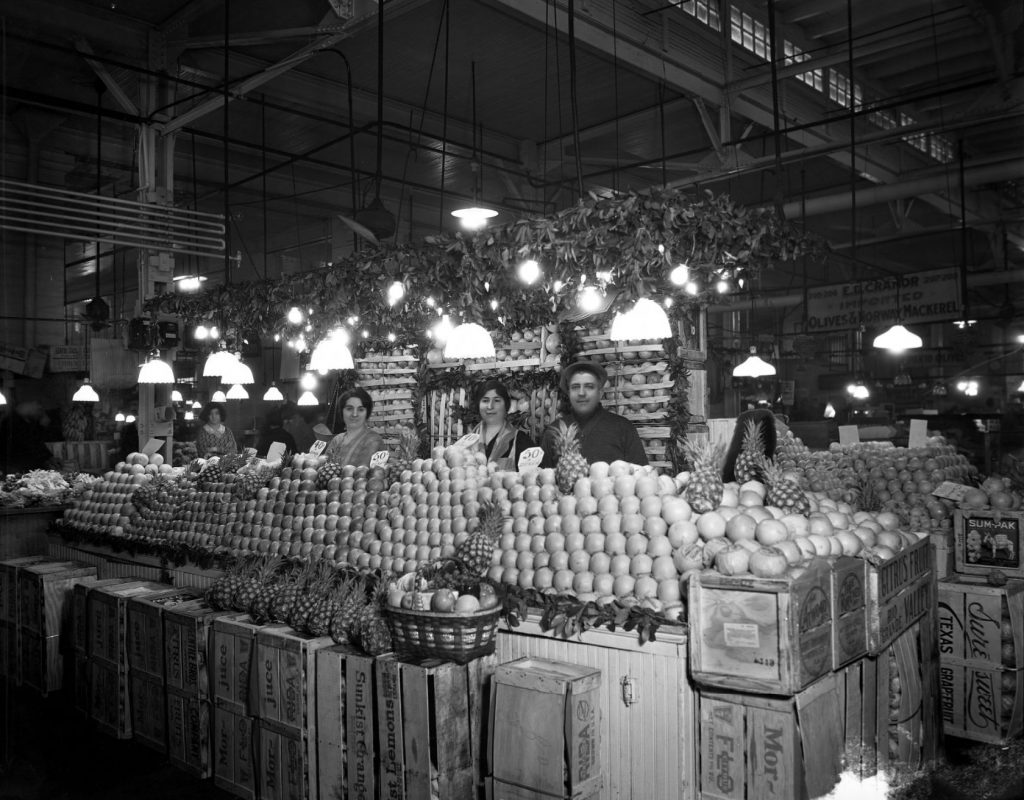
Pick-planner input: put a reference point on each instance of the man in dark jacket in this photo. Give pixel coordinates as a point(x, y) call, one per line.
point(603, 435)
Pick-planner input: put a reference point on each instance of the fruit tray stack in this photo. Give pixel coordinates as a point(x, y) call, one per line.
point(390, 378)
point(518, 351)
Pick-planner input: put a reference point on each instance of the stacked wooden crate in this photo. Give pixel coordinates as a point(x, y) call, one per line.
point(146, 655)
point(390, 378)
point(109, 687)
point(9, 630)
point(44, 620)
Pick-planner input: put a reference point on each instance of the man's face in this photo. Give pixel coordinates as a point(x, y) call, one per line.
point(584, 393)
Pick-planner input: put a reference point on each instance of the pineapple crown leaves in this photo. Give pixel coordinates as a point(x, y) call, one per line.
point(702, 451)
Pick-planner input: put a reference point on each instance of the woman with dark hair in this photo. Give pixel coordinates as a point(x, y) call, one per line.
point(501, 442)
point(357, 443)
point(214, 437)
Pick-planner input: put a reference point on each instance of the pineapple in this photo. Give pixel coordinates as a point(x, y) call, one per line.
point(405, 453)
point(288, 595)
point(326, 473)
point(782, 492)
point(476, 551)
point(316, 588)
point(344, 623)
point(263, 573)
point(571, 463)
point(373, 631)
point(324, 612)
point(220, 594)
point(747, 467)
point(704, 489)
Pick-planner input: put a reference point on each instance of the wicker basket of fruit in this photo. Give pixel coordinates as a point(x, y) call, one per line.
point(448, 636)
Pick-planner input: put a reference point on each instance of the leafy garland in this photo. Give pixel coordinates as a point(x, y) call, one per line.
point(628, 242)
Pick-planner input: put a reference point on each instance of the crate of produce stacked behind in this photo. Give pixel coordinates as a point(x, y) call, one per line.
point(390, 378)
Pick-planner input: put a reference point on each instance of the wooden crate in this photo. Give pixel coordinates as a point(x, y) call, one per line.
point(285, 676)
point(9, 649)
point(885, 729)
point(107, 609)
point(110, 697)
point(943, 545)
point(234, 647)
point(545, 726)
point(761, 635)
point(148, 705)
point(431, 724)
point(499, 790)
point(754, 747)
point(189, 733)
point(849, 610)
point(234, 751)
point(44, 590)
point(648, 739)
point(981, 703)
point(188, 630)
point(9, 585)
point(283, 764)
point(40, 663)
point(80, 610)
point(987, 540)
point(981, 624)
point(145, 638)
point(346, 719)
point(896, 593)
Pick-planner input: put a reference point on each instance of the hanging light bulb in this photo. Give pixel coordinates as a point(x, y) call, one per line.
point(646, 320)
point(295, 316)
point(590, 299)
point(308, 381)
point(897, 339)
point(858, 391)
point(176, 396)
point(129, 419)
point(189, 416)
point(196, 405)
point(119, 417)
point(830, 411)
point(273, 394)
point(469, 340)
point(528, 272)
point(691, 288)
point(218, 397)
point(753, 367)
point(308, 399)
point(237, 392)
point(442, 330)
point(392, 337)
point(214, 332)
point(155, 370)
point(85, 394)
point(722, 286)
point(557, 286)
point(680, 275)
point(201, 333)
point(396, 291)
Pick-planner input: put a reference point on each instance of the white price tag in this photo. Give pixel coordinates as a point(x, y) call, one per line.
point(380, 458)
point(530, 459)
point(317, 447)
point(849, 434)
point(951, 491)
point(918, 434)
point(469, 440)
point(276, 451)
point(152, 446)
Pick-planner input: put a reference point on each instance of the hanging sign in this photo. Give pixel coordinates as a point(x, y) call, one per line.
point(923, 297)
point(23, 360)
point(69, 358)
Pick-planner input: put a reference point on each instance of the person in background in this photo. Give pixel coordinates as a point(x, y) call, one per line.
point(500, 441)
point(297, 426)
point(603, 435)
point(23, 441)
point(214, 438)
point(319, 423)
point(358, 442)
point(274, 431)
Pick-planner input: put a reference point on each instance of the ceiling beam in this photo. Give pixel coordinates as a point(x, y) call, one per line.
point(118, 93)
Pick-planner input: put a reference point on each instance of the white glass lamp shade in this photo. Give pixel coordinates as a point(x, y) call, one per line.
point(3, 399)
point(176, 397)
point(273, 394)
point(897, 339)
point(308, 399)
point(474, 217)
point(119, 417)
point(85, 394)
point(219, 397)
point(237, 372)
point(217, 362)
point(469, 340)
point(753, 367)
point(645, 320)
point(237, 392)
point(331, 353)
point(156, 370)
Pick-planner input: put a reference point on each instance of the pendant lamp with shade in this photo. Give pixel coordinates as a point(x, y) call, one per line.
point(218, 397)
point(237, 392)
point(469, 340)
point(85, 394)
point(753, 367)
point(646, 320)
point(273, 394)
point(155, 370)
point(474, 217)
point(307, 398)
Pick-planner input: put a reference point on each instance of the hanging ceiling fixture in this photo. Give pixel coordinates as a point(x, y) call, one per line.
point(307, 398)
point(474, 217)
point(155, 370)
point(237, 392)
point(85, 394)
point(273, 394)
point(646, 320)
point(237, 371)
point(3, 399)
point(218, 397)
point(469, 340)
point(218, 361)
point(753, 367)
point(858, 390)
point(897, 339)
point(332, 353)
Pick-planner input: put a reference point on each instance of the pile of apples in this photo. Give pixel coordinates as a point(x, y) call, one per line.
point(106, 505)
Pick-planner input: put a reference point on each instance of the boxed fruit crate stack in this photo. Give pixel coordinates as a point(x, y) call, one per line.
point(390, 378)
point(981, 648)
point(9, 631)
point(519, 351)
point(44, 620)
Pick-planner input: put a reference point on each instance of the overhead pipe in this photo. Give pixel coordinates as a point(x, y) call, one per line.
point(990, 173)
